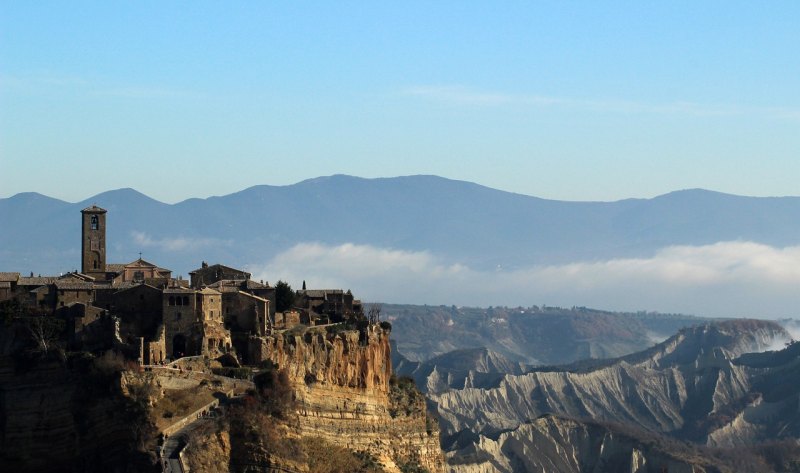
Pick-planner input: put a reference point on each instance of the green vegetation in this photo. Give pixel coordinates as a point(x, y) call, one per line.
point(284, 296)
point(404, 397)
point(242, 372)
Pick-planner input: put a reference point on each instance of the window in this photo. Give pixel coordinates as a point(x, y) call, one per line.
point(95, 264)
point(171, 300)
point(138, 276)
point(185, 300)
point(177, 316)
point(95, 222)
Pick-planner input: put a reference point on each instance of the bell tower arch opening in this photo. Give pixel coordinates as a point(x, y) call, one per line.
point(93, 242)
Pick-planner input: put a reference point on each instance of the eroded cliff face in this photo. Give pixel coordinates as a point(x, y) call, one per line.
point(691, 386)
point(342, 383)
point(680, 380)
point(557, 445)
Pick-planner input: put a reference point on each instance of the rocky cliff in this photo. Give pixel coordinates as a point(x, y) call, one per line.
point(344, 396)
point(342, 387)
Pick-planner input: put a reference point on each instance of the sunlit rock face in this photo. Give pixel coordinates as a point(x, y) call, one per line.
point(342, 388)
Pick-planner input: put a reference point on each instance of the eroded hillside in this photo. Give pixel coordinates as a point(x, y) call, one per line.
point(694, 386)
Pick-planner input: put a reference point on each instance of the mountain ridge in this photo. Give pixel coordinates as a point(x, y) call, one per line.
point(458, 221)
point(334, 177)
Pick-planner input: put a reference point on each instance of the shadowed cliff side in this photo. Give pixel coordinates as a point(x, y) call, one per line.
point(71, 415)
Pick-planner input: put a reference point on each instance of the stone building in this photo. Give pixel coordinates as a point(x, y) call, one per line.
point(336, 304)
point(8, 285)
point(206, 275)
point(141, 271)
point(193, 322)
point(259, 289)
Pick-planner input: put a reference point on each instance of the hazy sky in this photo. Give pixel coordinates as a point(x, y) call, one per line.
point(564, 100)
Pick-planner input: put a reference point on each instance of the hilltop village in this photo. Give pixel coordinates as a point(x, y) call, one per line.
point(123, 367)
point(140, 309)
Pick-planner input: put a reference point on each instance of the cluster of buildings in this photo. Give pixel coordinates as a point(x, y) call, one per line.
point(140, 308)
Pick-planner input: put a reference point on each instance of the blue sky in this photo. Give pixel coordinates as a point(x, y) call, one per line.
point(563, 100)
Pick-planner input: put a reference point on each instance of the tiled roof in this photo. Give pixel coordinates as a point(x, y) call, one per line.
point(95, 209)
point(115, 268)
point(129, 286)
point(9, 277)
point(208, 290)
point(250, 284)
point(5, 285)
point(247, 294)
point(178, 290)
point(72, 285)
point(77, 276)
point(139, 263)
point(36, 281)
point(217, 266)
point(122, 285)
point(227, 289)
point(245, 283)
point(317, 293)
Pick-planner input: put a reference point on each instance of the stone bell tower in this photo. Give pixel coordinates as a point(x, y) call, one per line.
point(93, 242)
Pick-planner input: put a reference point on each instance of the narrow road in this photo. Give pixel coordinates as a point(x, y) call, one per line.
point(176, 442)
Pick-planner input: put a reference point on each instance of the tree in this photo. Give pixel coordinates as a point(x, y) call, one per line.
point(374, 314)
point(45, 332)
point(284, 296)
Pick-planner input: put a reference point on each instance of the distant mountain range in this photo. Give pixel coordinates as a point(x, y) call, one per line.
point(457, 221)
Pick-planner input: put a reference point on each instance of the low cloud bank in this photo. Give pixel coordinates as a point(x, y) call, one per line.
point(724, 279)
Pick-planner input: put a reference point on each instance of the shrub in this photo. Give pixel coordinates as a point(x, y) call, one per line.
point(230, 372)
point(275, 392)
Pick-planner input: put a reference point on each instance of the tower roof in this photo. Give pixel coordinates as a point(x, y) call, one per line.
point(94, 210)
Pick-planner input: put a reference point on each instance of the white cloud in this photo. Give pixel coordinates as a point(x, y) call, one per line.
point(178, 243)
point(723, 279)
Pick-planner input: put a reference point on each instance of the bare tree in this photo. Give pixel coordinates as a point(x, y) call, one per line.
point(44, 331)
point(374, 313)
